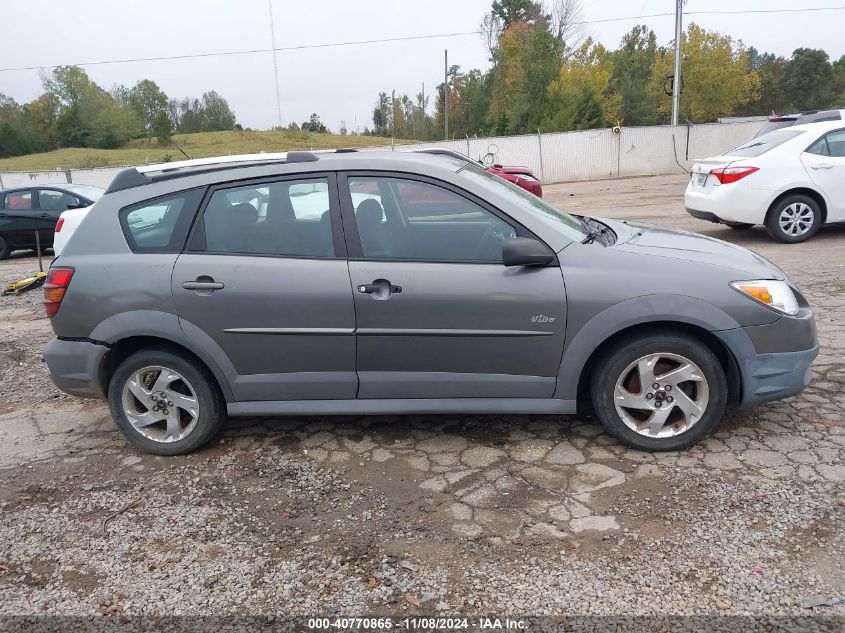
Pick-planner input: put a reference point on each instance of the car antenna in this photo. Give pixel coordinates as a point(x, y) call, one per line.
point(181, 150)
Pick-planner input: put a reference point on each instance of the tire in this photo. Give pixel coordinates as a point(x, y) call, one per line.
point(737, 225)
point(707, 387)
point(183, 427)
point(796, 207)
point(5, 249)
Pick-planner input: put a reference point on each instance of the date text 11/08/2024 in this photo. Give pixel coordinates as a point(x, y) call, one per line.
point(423, 623)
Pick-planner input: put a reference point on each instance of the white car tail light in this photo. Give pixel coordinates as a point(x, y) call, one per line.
point(727, 175)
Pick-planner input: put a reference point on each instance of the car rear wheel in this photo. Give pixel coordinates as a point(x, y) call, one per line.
point(164, 403)
point(5, 249)
point(661, 392)
point(737, 225)
point(794, 219)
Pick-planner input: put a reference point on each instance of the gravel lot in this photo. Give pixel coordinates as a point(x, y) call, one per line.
point(471, 515)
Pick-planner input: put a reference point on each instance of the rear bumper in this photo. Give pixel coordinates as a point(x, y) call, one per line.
point(75, 366)
point(771, 375)
point(703, 215)
point(735, 202)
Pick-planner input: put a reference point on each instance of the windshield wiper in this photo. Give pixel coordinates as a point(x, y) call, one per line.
point(591, 233)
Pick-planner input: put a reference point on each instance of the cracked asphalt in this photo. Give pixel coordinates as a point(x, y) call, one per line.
point(516, 515)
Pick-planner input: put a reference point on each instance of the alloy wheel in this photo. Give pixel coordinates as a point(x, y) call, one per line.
point(661, 395)
point(160, 404)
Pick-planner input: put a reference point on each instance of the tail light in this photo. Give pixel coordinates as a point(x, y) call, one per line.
point(727, 175)
point(55, 286)
point(59, 225)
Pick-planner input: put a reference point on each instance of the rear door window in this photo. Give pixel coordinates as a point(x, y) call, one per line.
point(18, 200)
point(160, 225)
point(836, 143)
point(287, 218)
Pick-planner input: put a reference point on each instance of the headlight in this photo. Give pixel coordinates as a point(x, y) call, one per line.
point(775, 294)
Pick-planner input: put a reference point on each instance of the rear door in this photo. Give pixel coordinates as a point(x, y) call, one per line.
point(265, 277)
point(18, 217)
point(438, 315)
point(825, 162)
point(51, 204)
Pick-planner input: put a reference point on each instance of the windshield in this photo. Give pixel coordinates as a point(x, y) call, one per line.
point(763, 144)
point(566, 224)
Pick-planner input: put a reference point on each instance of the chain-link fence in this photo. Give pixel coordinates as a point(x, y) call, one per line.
point(553, 157)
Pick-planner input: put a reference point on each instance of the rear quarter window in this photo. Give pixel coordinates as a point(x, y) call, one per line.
point(160, 225)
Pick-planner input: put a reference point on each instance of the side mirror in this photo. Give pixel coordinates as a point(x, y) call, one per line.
point(523, 251)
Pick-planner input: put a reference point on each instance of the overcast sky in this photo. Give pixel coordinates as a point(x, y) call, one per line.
point(339, 83)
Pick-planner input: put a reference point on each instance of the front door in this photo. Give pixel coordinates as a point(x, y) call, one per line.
point(825, 162)
point(437, 314)
point(19, 218)
point(265, 277)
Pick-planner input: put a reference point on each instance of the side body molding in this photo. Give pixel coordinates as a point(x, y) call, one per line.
point(644, 309)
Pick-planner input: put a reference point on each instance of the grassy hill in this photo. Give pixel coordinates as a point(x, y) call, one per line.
point(198, 145)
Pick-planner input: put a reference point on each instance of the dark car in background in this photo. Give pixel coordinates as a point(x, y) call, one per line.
point(25, 210)
point(800, 118)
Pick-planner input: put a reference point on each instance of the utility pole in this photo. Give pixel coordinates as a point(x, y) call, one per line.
point(446, 94)
point(393, 113)
point(676, 80)
point(275, 63)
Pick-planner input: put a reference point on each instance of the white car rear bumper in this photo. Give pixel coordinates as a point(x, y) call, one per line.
point(734, 202)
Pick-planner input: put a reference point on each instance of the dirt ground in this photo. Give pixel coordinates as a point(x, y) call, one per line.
point(445, 515)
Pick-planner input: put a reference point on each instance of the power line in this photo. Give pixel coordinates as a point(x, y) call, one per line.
point(400, 39)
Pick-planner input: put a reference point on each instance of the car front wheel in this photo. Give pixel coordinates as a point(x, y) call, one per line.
point(794, 219)
point(661, 392)
point(165, 403)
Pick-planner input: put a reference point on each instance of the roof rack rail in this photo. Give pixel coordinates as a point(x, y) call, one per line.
point(145, 174)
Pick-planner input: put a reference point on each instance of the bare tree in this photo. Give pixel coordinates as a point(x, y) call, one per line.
point(491, 30)
point(567, 25)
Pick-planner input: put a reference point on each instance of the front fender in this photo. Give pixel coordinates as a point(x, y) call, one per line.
point(637, 311)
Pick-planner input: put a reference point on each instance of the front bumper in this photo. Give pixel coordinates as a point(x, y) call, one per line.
point(75, 366)
point(767, 376)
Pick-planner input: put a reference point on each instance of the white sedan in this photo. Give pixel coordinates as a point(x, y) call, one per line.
point(791, 180)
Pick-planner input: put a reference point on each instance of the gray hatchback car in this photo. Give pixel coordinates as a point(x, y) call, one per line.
point(392, 283)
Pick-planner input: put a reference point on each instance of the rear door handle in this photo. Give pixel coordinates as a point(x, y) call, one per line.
point(203, 285)
point(44, 215)
point(822, 166)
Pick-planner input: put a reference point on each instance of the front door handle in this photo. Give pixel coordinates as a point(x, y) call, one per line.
point(44, 215)
point(203, 285)
point(822, 166)
point(379, 289)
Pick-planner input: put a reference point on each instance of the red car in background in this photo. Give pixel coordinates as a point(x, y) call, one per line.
point(521, 176)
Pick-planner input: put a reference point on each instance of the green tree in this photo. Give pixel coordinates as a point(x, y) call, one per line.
point(314, 124)
point(838, 83)
point(151, 106)
point(381, 115)
point(716, 76)
point(584, 81)
point(807, 79)
point(510, 11)
point(217, 115)
point(632, 63)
